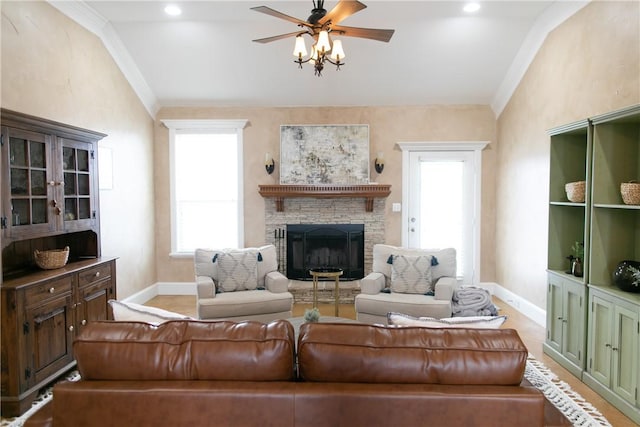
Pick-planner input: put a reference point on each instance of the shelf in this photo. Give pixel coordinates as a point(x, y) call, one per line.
point(610, 206)
point(368, 191)
point(580, 205)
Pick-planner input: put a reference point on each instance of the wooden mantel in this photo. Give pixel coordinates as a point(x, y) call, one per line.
point(368, 191)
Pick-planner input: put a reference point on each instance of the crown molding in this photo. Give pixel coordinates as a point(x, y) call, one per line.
point(553, 16)
point(88, 18)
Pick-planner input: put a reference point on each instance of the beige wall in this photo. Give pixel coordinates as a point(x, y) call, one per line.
point(387, 126)
point(53, 68)
point(588, 65)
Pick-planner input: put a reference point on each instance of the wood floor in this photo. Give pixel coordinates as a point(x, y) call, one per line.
point(531, 333)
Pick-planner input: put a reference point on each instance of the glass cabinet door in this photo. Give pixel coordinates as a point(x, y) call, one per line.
point(77, 167)
point(31, 185)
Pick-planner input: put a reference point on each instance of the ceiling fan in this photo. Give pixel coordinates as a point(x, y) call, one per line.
point(320, 25)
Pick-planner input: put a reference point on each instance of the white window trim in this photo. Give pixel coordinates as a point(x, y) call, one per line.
point(474, 146)
point(176, 126)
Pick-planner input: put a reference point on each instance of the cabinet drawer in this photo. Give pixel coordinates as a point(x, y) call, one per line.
point(91, 275)
point(48, 290)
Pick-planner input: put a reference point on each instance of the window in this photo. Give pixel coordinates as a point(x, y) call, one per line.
point(206, 184)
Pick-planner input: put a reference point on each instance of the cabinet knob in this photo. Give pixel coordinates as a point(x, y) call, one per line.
point(97, 274)
point(614, 348)
point(607, 345)
point(51, 183)
point(84, 322)
point(71, 328)
point(560, 318)
point(52, 290)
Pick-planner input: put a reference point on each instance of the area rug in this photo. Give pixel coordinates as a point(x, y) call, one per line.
point(580, 412)
point(570, 403)
point(44, 396)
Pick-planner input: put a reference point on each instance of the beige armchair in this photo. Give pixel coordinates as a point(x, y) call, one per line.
point(379, 296)
point(241, 284)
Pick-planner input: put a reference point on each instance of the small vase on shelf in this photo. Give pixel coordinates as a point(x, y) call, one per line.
point(576, 269)
point(626, 276)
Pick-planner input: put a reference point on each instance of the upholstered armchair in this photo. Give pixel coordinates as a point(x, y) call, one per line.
point(417, 282)
point(241, 284)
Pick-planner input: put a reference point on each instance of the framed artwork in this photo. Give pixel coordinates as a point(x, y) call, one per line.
point(324, 154)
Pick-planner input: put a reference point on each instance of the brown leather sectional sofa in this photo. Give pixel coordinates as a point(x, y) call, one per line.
point(193, 373)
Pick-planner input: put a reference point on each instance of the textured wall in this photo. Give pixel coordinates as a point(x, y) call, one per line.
point(587, 66)
point(387, 127)
point(55, 69)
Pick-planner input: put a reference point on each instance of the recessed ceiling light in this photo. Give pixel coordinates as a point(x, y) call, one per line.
point(471, 7)
point(172, 10)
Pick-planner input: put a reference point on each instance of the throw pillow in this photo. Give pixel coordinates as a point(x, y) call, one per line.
point(132, 312)
point(474, 322)
point(411, 274)
point(237, 271)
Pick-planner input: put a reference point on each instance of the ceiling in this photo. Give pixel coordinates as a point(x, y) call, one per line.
point(438, 54)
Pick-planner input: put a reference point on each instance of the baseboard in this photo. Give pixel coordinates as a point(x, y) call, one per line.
point(177, 288)
point(144, 295)
point(162, 288)
point(525, 307)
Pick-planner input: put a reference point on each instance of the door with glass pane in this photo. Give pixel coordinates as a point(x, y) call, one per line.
point(29, 172)
point(78, 198)
point(441, 205)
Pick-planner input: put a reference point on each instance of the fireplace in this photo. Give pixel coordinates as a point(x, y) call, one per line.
point(325, 245)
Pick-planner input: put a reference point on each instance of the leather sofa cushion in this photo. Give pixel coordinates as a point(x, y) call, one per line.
point(361, 353)
point(186, 350)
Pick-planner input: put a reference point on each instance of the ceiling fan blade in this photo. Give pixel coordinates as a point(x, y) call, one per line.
point(274, 38)
point(272, 12)
point(342, 10)
point(364, 33)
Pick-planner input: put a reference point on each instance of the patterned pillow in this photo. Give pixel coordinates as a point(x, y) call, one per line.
point(237, 271)
point(473, 322)
point(411, 274)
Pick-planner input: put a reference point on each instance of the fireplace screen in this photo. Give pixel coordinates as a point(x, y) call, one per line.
point(325, 245)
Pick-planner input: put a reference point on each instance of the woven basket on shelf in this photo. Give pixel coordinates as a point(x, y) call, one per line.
point(575, 191)
point(49, 260)
point(630, 192)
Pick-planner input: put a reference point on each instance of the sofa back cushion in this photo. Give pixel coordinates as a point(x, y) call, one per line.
point(378, 354)
point(186, 350)
point(446, 260)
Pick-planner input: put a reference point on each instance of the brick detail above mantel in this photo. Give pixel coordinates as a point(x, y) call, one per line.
point(368, 191)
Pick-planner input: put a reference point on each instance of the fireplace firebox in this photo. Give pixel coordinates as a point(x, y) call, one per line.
point(325, 245)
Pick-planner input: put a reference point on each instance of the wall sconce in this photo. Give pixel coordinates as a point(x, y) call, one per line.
point(269, 163)
point(378, 163)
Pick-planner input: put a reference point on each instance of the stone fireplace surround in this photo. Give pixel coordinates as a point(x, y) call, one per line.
point(307, 210)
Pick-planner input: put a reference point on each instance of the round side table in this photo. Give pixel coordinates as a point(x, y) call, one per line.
point(326, 272)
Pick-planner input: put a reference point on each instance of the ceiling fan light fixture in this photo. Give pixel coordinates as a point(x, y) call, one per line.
point(337, 52)
point(318, 26)
point(314, 54)
point(300, 48)
point(323, 44)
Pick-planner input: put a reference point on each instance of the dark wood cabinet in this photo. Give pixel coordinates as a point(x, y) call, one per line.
point(49, 199)
point(50, 175)
point(41, 315)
